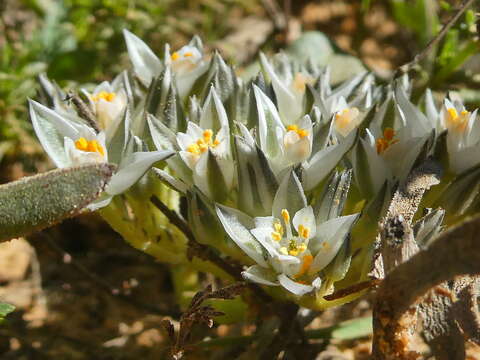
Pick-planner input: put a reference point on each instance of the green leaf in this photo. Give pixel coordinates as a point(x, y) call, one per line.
point(5, 309)
point(347, 330)
point(39, 201)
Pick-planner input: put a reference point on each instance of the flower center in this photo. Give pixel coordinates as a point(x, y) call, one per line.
point(176, 55)
point(89, 146)
point(296, 244)
point(301, 132)
point(455, 121)
point(346, 120)
point(204, 143)
point(386, 141)
point(104, 95)
point(300, 81)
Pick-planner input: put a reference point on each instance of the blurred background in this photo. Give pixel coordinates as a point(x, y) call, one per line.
point(74, 290)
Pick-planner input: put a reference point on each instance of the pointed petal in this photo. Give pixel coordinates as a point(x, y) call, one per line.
point(260, 275)
point(330, 237)
point(136, 166)
point(51, 129)
point(306, 218)
point(238, 232)
point(293, 286)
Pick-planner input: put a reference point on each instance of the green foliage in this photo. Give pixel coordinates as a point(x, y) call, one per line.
point(5, 309)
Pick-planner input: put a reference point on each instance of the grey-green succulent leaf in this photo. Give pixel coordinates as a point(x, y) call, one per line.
point(39, 201)
point(428, 227)
point(332, 200)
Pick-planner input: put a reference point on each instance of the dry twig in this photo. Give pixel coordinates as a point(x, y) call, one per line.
point(423, 54)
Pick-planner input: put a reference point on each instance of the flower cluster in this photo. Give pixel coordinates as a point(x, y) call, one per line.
point(266, 162)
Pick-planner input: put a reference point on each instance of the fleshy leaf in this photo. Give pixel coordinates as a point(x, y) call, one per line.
point(289, 196)
point(39, 201)
point(331, 202)
point(323, 162)
point(145, 63)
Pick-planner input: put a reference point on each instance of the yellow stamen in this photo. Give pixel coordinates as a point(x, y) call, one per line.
point(302, 247)
point(104, 95)
point(188, 54)
point(276, 236)
point(303, 231)
point(285, 216)
point(306, 263)
point(194, 149)
point(81, 144)
point(384, 143)
point(301, 132)
point(203, 147)
point(175, 56)
point(457, 122)
point(294, 252)
point(278, 228)
point(207, 135)
point(89, 146)
point(203, 143)
point(453, 113)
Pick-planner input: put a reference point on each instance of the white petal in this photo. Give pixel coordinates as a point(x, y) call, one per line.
point(136, 166)
point(231, 221)
point(269, 124)
point(293, 286)
point(51, 129)
point(264, 237)
point(260, 275)
point(330, 237)
point(264, 221)
point(306, 218)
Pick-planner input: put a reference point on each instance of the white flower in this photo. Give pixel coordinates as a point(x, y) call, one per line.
point(463, 137)
point(188, 63)
point(69, 143)
point(108, 104)
point(292, 251)
point(346, 119)
point(289, 90)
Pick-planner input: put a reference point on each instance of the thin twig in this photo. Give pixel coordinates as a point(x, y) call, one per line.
point(101, 284)
point(200, 250)
point(84, 111)
point(423, 54)
point(204, 252)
